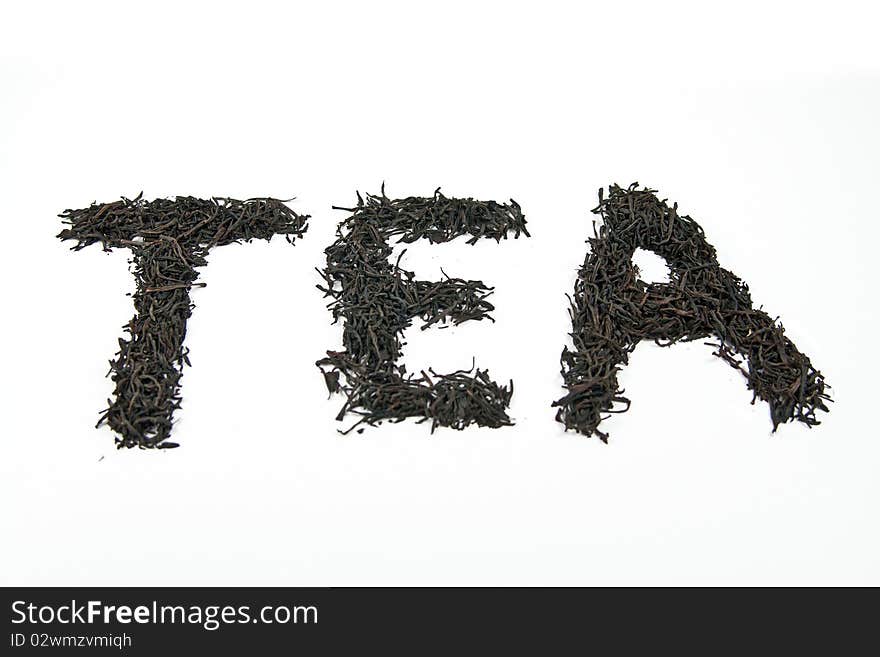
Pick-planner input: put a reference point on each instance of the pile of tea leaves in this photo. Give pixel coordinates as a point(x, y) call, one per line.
point(169, 239)
point(377, 301)
point(612, 310)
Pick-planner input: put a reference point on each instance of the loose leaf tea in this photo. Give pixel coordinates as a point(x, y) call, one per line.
point(612, 311)
point(377, 300)
point(169, 239)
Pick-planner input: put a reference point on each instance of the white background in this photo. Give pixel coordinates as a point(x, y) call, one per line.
point(760, 119)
